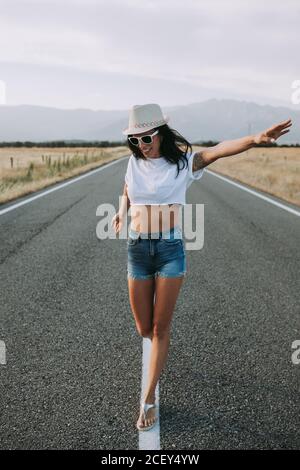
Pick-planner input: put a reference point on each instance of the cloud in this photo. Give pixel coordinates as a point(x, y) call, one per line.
point(225, 44)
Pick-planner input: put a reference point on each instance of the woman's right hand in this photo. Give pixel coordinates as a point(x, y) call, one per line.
point(117, 222)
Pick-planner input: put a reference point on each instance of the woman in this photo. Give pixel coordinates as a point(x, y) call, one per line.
point(158, 173)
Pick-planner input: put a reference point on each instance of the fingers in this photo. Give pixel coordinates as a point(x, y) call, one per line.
point(272, 140)
point(117, 226)
point(115, 220)
point(280, 126)
point(285, 124)
point(114, 223)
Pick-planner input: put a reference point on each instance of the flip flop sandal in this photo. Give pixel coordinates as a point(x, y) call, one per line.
point(145, 408)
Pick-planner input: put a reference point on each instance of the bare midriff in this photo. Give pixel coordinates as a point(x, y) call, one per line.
point(154, 218)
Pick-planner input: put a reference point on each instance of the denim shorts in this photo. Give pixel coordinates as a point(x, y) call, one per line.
point(159, 254)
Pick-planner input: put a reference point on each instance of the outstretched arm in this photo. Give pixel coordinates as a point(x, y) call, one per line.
point(232, 147)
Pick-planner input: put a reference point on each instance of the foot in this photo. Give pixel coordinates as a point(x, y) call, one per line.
point(147, 417)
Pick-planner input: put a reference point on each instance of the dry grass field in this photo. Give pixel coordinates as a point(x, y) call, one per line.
point(36, 168)
point(273, 170)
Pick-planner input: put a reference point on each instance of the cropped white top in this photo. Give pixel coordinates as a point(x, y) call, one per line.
point(153, 181)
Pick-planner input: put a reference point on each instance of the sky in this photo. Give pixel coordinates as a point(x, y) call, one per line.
point(112, 54)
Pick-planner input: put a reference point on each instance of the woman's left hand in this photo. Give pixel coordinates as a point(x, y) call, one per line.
point(270, 135)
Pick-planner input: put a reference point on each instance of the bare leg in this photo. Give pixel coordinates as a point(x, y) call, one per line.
point(166, 294)
point(141, 293)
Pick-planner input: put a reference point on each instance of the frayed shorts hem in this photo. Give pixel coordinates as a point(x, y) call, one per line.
point(140, 276)
point(171, 275)
point(153, 276)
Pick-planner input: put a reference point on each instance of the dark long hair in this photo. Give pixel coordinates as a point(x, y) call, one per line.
point(169, 147)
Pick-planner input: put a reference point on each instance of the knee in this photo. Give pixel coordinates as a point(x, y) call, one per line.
point(161, 331)
point(144, 332)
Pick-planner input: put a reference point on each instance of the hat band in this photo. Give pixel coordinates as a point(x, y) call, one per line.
point(147, 124)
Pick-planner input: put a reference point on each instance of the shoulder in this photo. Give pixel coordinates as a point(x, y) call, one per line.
point(129, 168)
point(131, 159)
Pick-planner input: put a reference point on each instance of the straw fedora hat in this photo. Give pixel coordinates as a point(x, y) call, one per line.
point(143, 117)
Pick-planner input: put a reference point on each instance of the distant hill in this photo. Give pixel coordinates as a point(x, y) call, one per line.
point(208, 120)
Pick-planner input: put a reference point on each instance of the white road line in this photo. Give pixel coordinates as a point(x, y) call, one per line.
point(255, 193)
point(149, 440)
point(59, 186)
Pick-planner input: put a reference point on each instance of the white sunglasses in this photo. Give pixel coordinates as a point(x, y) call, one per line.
point(146, 139)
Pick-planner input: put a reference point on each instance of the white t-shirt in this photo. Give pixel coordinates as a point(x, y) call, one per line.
point(153, 181)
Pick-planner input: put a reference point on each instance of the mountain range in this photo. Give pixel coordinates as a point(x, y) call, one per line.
point(213, 119)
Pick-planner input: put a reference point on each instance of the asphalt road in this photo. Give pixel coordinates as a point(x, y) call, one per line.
point(73, 373)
